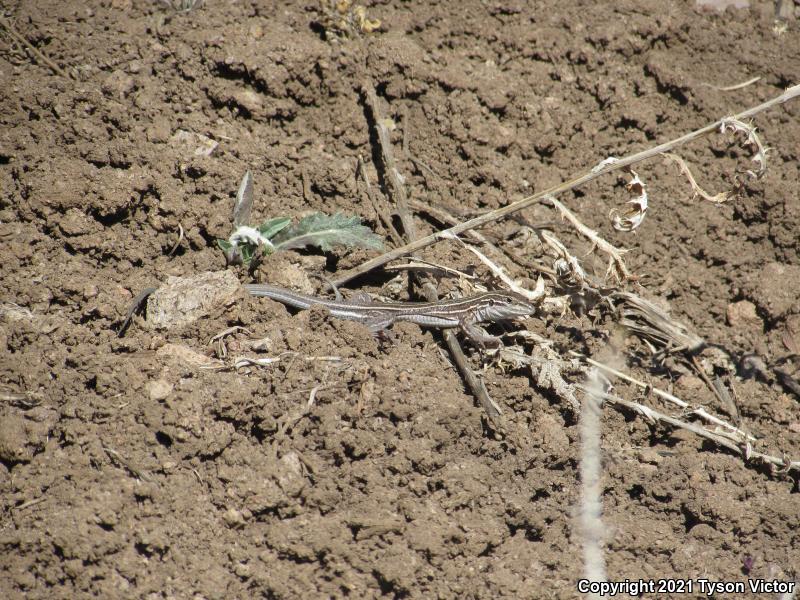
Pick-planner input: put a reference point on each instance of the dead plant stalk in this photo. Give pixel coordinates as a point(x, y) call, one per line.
point(610, 167)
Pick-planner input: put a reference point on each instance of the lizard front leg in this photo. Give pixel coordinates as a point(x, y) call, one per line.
point(478, 334)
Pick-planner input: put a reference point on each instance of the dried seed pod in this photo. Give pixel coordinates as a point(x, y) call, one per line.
point(633, 216)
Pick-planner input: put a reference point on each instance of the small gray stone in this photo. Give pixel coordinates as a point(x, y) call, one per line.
point(183, 300)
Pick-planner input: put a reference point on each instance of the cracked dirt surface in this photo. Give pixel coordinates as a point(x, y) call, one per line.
point(128, 468)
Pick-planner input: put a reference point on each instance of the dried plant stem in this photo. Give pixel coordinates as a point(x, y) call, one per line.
point(240, 362)
point(696, 189)
point(445, 217)
point(700, 412)
point(28, 504)
point(379, 209)
point(546, 367)
point(731, 88)
point(429, 289)
point(432, 267)
point(498, 271)
point(649, 321)
point(38, 54)
point(392, 174)
point(721, 393)
point(568, 267)
point(132, 468)
point(621, 163)
point(614, 253)
point(740, 447)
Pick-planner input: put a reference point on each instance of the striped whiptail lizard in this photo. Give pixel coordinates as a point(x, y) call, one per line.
point(464, 313)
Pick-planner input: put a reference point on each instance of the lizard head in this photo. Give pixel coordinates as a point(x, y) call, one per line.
point(502, 306)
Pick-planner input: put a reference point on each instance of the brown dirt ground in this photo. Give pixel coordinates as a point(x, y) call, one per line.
point(126, 471)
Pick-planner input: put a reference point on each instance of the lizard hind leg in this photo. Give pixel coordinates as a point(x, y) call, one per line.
point(379, 323)
point(379, 326)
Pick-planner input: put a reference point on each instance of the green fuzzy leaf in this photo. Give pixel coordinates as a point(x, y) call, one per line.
point(244, 201)
point(327, 231)
point(224, 245)
point(248, 250)
point(271, 227)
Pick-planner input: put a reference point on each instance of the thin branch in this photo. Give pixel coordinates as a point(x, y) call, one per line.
point(696, 189)
point(744, 449)
point(28, 504)
point(546, 367)
point(429, 289)
point(567, 267)
point(445, 217)
point(700, 412)
point(498, 271)
point(392, 174)
point(614, 253)
point(384, 216)
point(38, 54)
point(610, 167)
point(731, 88)
point(426, 265)
point(648, 320)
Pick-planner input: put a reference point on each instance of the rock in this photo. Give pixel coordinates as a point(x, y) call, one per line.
point(187, 357)
point(159, 389)
point(290, 474)
point(250, 101)
point(743, 314)
point(13, 440)
point(75, 222)
point(233, 518)
point(777, 290)
point(183, 300)
point(195, 144)
point(118, 84)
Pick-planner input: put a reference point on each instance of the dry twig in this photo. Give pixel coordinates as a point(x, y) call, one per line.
point(568, 269)
point(591, 175)
point(534, 296)
point(247, 361)
point(386, 219)
point(547, 368)
point(425, 265)
point(649, 321)
point(759, 155)
point(698, 191)
point(445, 217)
point(731, 88)
point(687, 408)
point(615, 262)
point(429, 289)
point(740, 447)
point(38, 54)
point(120, 460)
